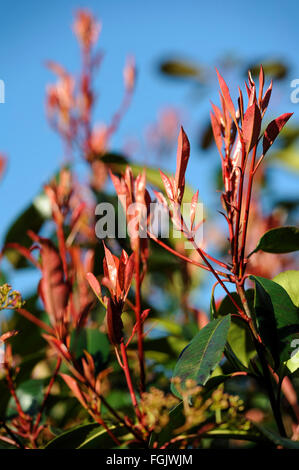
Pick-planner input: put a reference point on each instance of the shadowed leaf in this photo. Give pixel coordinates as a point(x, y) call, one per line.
point(198, 360)
point(279, 240)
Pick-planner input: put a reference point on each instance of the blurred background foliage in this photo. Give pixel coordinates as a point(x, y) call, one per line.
point(178, 295)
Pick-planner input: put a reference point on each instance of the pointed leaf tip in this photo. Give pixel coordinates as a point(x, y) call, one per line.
point(273, 129)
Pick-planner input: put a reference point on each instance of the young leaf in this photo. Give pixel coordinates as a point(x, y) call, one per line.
point(74, 387)
point(261, 83)
point(216, 131)
point(227, 97)
point(94, 284)
point(273, 129)
point(266, 99)
point(279, 240)
point(198, 360)
point(251, 126)
point(118, 164)
point(167, 185)
point(183, 154)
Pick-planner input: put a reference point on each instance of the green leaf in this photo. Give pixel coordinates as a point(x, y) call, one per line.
point(198, 360)
point(92, 341)
point(289, 280)
point(279, 240)
point(239, 434)
point(277, 318)
point(214, 381)
point(293, 363)
point(86, 436)
point(276, 439)
point(239, 337)
point(176, 420)
point(73, 437)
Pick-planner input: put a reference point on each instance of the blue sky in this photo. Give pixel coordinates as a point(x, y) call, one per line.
point(32, 32)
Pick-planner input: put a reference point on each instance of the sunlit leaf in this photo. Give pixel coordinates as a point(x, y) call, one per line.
point(289, 280)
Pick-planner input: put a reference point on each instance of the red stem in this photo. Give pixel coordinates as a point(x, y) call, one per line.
point(51, 383)
point(199, 251)
point(184, 258)
point(246, 214)
point(235, 244)
point(62, 247)
point(129, 380)
point(138, 318)
point(35, 320)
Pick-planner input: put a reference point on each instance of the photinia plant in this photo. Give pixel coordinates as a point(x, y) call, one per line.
point(109, 350)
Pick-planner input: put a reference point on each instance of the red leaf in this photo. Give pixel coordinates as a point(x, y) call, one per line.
point(23, 251)
point(194, 202)
point(266, 99)
point(247, 89)
point(217, 113)
point(59, 346)
point(216, 131)
point(129, 273)
point(122, 190)
point(261, 84)
point(111, 266)
point(121, 271)
point(74, 387)
point(94, 284)
point(251, 126)
point(2, 165)
point(273, 129)
point(53, 289)
point(250, 80)
point(167, 185)
point(183, 154)
point(140, 183)
point(252, 97)
point(114, 322)
point(241, 105)
point(226, 96)
point(161, 198)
